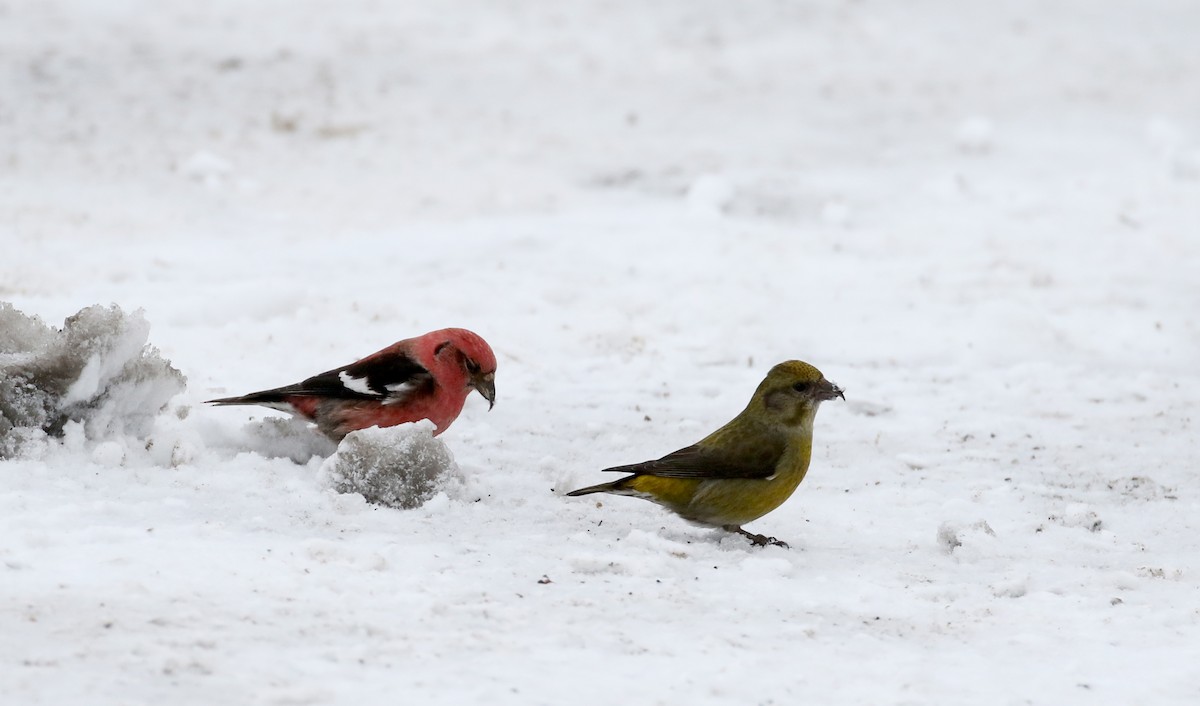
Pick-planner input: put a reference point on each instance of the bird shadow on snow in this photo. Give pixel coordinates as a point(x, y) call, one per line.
point(679, 538)
point(271, 437)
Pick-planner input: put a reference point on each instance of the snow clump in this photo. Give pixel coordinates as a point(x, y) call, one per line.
point(96, 370)
point(401, 466)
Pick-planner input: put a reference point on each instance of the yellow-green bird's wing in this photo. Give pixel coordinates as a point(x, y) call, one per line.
point(703, 463)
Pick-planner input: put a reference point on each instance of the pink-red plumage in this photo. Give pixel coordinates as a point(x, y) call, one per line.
point(427, 377)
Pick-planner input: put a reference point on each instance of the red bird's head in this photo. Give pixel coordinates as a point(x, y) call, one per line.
point(458, 349)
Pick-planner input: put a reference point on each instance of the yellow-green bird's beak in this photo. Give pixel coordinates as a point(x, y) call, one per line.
point(827, 390)
point(485, 384)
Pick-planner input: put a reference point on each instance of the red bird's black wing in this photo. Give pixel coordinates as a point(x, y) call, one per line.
point(388, 379)
point(701, 463)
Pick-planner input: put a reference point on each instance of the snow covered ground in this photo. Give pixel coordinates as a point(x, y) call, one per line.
point(981, 219)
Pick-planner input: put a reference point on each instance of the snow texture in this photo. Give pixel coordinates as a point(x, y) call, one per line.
point(97, 370)
point(981, 219)
point(401, 466)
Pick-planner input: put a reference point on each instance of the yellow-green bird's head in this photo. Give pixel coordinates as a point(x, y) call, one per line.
point(790, 394)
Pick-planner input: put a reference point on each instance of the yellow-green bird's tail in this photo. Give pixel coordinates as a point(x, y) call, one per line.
point(613, 487)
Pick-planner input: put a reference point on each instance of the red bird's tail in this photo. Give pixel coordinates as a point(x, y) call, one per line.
point(266, 397)
point(281, 398)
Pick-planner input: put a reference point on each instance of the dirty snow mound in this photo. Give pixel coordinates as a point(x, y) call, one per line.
point(401, 466)
point(97, 370)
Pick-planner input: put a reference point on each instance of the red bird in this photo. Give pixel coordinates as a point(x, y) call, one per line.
point(427, 377)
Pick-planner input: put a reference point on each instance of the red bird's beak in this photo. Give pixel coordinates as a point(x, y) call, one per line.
point(486, 386)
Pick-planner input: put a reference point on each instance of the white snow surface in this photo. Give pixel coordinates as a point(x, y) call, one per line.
point(981, 219)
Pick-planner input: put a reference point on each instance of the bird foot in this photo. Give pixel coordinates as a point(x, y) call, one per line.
point(758, 540)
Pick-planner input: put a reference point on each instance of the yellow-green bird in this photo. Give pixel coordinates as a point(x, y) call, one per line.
point(746, 468)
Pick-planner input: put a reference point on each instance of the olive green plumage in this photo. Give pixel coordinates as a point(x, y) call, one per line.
point(746, 468)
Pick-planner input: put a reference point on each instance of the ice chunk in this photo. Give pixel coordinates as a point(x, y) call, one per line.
point(1079, 515)
point(952, 535)
point(401, 466)
point(96, 370)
